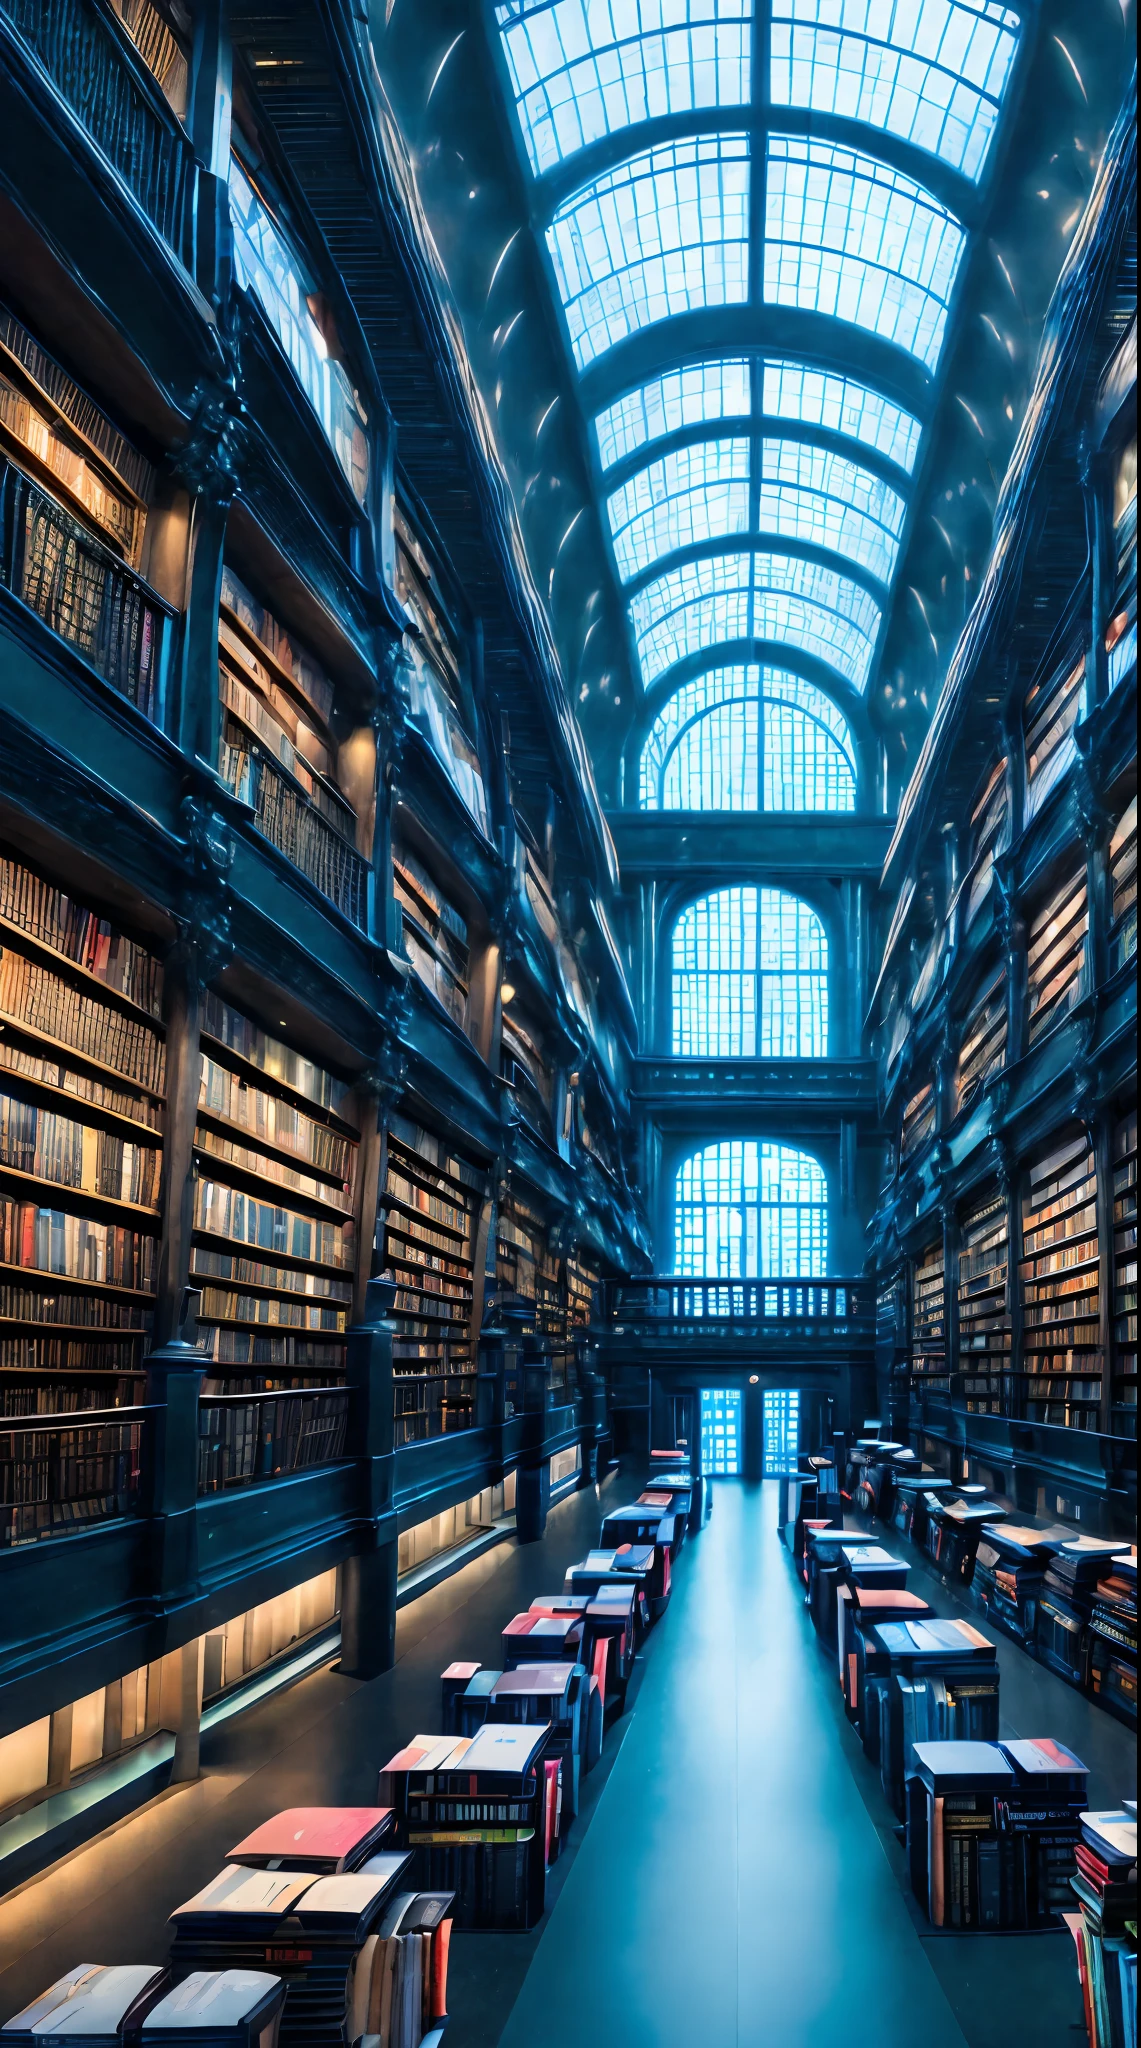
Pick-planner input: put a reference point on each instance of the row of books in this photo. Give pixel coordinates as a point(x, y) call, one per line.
point(41, 1001)
point(485, 1806)
point(74, 1155)
point(54, 1241)
point(232, 1152)
point(309, 1937)
point(228, 1212)
point(270, 1120)
point(1105, 1926)
point(52, 1072)
point(79, 934)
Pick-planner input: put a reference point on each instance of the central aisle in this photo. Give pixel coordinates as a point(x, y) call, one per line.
point(732, 1888)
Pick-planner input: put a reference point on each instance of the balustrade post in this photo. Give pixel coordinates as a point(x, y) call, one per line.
point(533, 1477)
point(174, 1375)
point(368, 1578)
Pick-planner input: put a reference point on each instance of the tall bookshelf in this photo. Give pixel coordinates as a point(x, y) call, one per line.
point(1061, 1287)
point(929, 1321)
point(984, 1305)
point(1056, 957)
point(918, 1120)
point(983, 1049)
point(435, 934)
point(524, 1067)
point(1050, 714)
point(989, 831)
point(430, 1206)
point(276, 1151)
point(82, 1078)
point(1123, 890)
point(1123, 1404)
point(278, 752)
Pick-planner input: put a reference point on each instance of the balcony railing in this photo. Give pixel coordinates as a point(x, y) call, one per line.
point(291, 821)
point(429, 1404)
point(83, 591)
point(245, 1439)
point(126, 117)
point(802, 1307)
point(60, 1474)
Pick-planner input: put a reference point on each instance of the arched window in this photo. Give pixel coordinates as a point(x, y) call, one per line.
point(748, 739)
point(750, 978)
point(745, 1209)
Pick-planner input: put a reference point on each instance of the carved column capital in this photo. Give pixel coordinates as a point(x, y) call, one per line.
point(209, 460)
point(204, 944)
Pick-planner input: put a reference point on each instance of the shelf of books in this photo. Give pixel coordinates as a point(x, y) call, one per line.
point(1123, 890)
point(983, 1049)
point(990, 818)
point(435, 934)
point(1056, 957)
point(1061, 1287)
point(929, 1322)
point(276, 1148)
point(278, 752)
point(1123, 1408)
point(430, 1205)
point(82, 1074)
point(984, 1305)
point(524, 1067)
point(918, 1121)
point(1050, 714)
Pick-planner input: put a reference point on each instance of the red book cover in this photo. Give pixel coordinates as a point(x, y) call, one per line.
point(666, 1573)
point(601, 1656)
point(521, 1625)
point(552, 1772)
point(320, 1834)
point(441, 1941)
point(460, 1671)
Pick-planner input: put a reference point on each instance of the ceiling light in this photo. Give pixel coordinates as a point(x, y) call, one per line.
point(507, 993)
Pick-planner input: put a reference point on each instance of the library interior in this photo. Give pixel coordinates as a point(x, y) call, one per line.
point(568, 946)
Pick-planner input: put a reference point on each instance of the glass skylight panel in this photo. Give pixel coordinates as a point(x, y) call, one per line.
point(745, 1208)
point(812, 494)
point(793, 391)
point(658, 235)
point(850, 237)
point(743, 738)
point(682, 398)
point(773, 597)
point(692, 495)
point(750, 978)
point(931, 71)
point(695, 606)
point(581, 69)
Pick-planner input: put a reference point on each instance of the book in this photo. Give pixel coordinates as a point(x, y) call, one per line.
point(324, 1839)
point(91, 2004)
point(222, 2008)
point(242, 1900)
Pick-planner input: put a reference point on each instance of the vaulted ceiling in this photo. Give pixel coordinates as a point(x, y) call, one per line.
point(753, 293)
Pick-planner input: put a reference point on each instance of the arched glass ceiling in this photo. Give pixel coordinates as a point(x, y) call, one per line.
point(581, 69)
point(705, 393)
point(806, 168)
point(659, 235)
point(801, 492)
point(848, 236)
point(752, 595)
point(747, 738)
point(931, 71)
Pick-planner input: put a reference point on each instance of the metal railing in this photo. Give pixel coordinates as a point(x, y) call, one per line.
point(60, 1474)
point(245, 1439)
point(83, 591)
point(125, 116)
point(288, 818)
point(805, 1306)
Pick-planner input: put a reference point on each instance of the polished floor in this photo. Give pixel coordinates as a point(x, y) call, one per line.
point(733, 1879)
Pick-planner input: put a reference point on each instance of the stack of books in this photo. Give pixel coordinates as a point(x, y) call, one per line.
point(672, 1492)
point(937, 1682)
point(92, 2005)
point(871, 1567)
point(1065, 1605)
point(1105, 1930)
point(314, 1931)
point(1010, 1570)
point(217, 2009)
point(953, 1530)
point(992, 1831)
point(481, 1815)
point(628, 1565)
point(832, 1555)
point(1113, 1638)
point(870, 1478)
point(323, 1839)
point(558, 1694)
point(536, 1637)
point(858, 1609)
point(916, 1494)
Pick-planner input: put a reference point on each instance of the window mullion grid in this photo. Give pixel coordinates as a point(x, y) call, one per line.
point(758, 153)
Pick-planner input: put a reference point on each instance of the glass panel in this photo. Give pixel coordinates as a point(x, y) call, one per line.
point(750, 978)
point(746, 1209)
point(655, 236)
point(721, 1432)
point(931, 72)
point(739, 738)
point(682, 398)
point(793, 391)
point(584, 68)
point(692, 495)
point(848, 236)
point(782, 1429)
point(815, 495)
point(764, 597)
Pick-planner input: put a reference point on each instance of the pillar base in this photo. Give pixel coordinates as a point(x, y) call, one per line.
point(368, 1613)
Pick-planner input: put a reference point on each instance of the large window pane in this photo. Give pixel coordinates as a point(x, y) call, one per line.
point(746, 1209)
point(682, 398)
point(660, 234)
point(931, 71)
point(581, 69)
point(758, 596)
point(848, 236)
point(794, 391)
point(747, 738)
point(812, 494)
point(691, 495)
point(750, 978)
